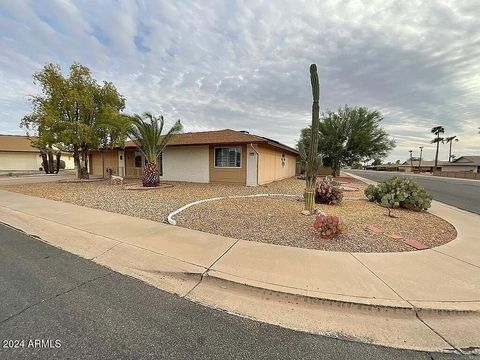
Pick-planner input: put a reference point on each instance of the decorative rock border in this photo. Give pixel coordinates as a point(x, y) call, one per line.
point(170, 217)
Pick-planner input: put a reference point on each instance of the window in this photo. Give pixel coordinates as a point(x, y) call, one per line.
point(138, 159)
point(228, 157)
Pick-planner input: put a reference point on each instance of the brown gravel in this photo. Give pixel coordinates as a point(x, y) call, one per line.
point(270, 220)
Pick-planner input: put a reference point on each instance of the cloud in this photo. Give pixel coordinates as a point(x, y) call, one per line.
point(244, 64)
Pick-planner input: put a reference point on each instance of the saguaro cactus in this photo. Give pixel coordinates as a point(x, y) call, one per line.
point(312, 156)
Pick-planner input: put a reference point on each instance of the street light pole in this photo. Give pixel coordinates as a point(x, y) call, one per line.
point(420, 160)
point(411, 160)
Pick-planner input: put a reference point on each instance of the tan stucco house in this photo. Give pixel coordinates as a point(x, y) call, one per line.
point(463, 163)
point(17, 154)
point(223, 156)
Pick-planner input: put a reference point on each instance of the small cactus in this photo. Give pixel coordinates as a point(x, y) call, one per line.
point(399, 192)
point(328, 191)
point(329, 225)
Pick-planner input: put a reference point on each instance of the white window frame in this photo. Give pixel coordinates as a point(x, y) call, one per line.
point(227, 147)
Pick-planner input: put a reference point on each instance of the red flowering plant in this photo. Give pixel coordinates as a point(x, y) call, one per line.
point(329, 225)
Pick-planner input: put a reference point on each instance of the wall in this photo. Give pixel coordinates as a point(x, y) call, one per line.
point(110, 160)
point(228, 175)
point(465, 167)
point(186, 163)
point(270, 165)
point(69, 162)
point(458, 174)
point(20, 161)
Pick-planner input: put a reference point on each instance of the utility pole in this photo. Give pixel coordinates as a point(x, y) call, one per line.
point(411, 160)
point(420, 160)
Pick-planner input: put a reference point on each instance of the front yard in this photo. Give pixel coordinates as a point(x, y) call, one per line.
point(266, 219)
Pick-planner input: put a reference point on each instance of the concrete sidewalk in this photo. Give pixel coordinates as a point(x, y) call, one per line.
point(202, 266)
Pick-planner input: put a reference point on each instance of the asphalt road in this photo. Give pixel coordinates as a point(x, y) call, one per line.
point(82, 310)
point(464, 194)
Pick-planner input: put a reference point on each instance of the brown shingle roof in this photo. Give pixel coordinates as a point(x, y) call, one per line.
point(226, 136)
point(17, 143)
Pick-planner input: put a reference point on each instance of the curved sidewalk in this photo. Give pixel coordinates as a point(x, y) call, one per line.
point(446, 278)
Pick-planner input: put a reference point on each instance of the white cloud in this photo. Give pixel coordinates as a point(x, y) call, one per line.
point(244, 64)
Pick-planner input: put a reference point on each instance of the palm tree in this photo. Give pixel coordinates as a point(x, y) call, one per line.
point(146, 133)
point(437, 130)
point(447, 140)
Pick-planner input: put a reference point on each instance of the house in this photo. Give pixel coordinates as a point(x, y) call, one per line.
point(223, 156)
point(463, 163)
point(17, 154)
point(410, 166)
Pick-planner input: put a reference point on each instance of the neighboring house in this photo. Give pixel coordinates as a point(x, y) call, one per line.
point(223, 156)
point(407, 166)
point(17, 154)
point(463, 163)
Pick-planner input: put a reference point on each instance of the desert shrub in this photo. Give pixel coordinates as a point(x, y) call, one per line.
point(329, 225)
point(328, 191)
point(399, 192)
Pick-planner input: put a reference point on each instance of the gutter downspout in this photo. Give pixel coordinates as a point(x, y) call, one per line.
point(258, 158)
point(103, 165)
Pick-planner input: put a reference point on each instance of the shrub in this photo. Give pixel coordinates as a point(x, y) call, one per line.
point(329, 225)
point(328, 191)
point(62, 164)
point(399, 192)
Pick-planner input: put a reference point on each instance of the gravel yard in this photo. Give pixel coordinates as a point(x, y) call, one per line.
point(271, 220)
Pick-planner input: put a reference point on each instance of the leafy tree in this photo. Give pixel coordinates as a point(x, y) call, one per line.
point(146, 132)
point(75, 113)
point(437, 130)
point(348, 136)
point(377, 162)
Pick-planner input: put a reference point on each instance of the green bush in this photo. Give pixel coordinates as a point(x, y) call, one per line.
point(399, 192)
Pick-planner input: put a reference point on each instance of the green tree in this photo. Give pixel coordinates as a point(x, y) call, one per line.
point(437, 130)
point(349, 136)
point(146, 132)
point(76, 113)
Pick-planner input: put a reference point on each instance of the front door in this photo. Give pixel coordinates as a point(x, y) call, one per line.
point(121, 163)
point(252, 166)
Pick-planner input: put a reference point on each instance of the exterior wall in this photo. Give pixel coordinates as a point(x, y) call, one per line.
point(130, 169)
point(228, 175)
point(270, 165)
point(465, 167)
point(458, 174)
point(186, 163)
point(110, 161)
point(20, 161)
point(69, 162)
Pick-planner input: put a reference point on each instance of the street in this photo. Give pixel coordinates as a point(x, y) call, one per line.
point(464, 194)
point(57, 305)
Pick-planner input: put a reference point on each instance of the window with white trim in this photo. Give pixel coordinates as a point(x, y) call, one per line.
point(228, 157)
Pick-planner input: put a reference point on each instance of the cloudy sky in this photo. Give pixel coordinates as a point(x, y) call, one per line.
point(244, 64)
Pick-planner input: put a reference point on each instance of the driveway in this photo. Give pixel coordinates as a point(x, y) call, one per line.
point(461, 193)
point(33, 179)
point(88, 311)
